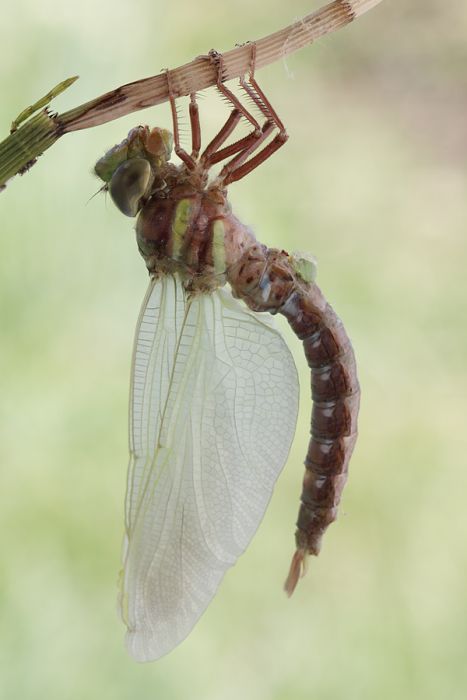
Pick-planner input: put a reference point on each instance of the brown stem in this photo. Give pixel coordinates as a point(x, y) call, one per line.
point(201, 72)
point(36, 134)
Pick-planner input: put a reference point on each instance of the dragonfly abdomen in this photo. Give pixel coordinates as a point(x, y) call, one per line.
point(336, 395)
point(268, 280)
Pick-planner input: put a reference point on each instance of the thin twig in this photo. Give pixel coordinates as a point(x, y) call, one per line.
point(22, 147)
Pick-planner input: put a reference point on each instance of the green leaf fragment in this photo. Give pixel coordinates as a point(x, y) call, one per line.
point(304, 265)
point(42, 102)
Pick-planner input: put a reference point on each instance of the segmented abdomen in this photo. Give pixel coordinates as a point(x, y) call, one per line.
point(336, 395)
point(267, 280)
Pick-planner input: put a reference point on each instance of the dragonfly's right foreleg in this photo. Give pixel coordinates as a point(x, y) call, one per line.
point(253, 90)
point(218, 59)
point(242, 164)
point(213, 152)
point(240, 151)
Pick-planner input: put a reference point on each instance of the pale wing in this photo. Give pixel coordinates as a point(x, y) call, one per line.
point(213, 412)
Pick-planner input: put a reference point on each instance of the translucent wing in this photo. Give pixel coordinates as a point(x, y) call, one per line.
point(213, 410)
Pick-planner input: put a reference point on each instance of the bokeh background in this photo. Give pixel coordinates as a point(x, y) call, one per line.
point(373, 182)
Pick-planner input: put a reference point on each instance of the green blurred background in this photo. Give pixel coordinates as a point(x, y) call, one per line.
point(373, 182)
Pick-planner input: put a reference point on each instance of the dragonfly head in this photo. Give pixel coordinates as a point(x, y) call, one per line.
point(130, 168)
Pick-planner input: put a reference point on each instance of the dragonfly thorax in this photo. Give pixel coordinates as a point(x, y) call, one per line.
point(192, 231)
point(185, 224)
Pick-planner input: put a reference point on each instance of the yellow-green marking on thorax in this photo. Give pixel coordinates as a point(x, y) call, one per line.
point(218, 246)
point(180, 225)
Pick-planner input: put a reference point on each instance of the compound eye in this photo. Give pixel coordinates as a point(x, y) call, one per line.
point(129, 183)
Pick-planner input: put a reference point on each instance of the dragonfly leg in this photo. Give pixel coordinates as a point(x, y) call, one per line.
point(240, 166)
point(246, 146)
point(188, 159)
point(240, 151)
point(218, 59)
point(243, 147)
point(229, 175)
point(209, 153)
point(251, 87)
point(213, 153)
point(195, 127)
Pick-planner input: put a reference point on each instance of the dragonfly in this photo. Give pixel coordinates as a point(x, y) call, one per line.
point(214, 389)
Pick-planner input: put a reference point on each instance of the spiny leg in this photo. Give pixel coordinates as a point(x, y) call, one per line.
point(209, 153)
point(213, 153)
point(188, 159)
point(228, 175)
point(252, 88)
point(242, 149)
point(195, 127)
point(237, 168)
point(218, 60)
point(246, 146)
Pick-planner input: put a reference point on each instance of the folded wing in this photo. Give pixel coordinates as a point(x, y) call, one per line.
point(213, 409)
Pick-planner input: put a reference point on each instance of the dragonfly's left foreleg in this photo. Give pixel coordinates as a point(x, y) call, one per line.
point(189, 160)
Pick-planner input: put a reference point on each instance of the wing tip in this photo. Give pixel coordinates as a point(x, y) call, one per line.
point(143, 648)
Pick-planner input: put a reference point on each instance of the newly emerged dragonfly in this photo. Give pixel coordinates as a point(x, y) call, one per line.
point(214, 390)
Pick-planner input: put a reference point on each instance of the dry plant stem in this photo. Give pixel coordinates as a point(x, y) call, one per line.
point(185, 80)
point(201, 73)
